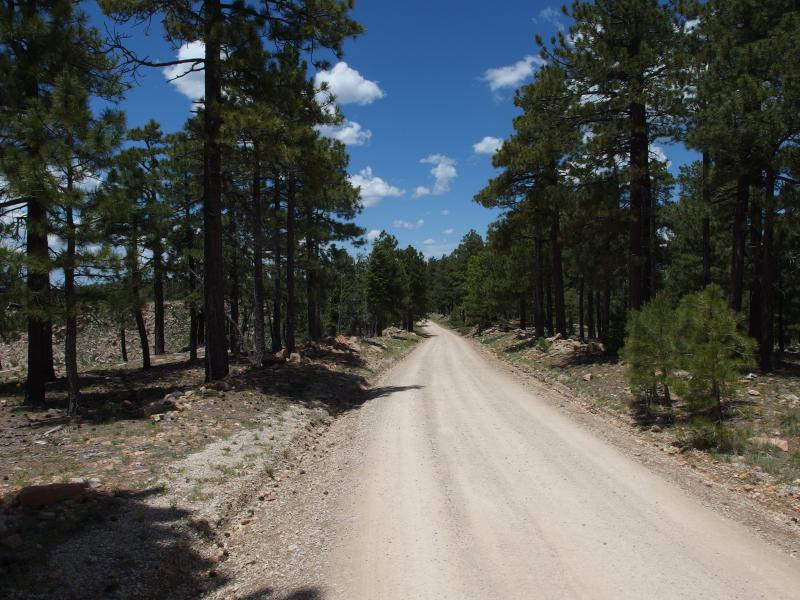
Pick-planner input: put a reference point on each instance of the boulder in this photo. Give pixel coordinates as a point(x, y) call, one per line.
point(588, 377)
point(753, 393)
point(45, 495)
point(294, 358)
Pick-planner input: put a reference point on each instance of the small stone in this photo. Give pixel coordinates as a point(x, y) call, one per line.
point(587, 377)
point(753, 393)
point(655, 429)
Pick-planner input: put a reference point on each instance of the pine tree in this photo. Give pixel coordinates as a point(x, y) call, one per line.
point(80, 150)
point(650, 350)
point(37, 39)
point(622, 59)
point(711, 348)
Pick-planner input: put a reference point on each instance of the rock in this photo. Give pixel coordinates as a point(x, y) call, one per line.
point(156, 418)
point(294, 358)
point(770, 441)
point(655, 429)
point(673, 450)
point(45, 495)
point(791, 398)
point(12, 541)
point(753, 393)
point(159, 406)
point(588, 377)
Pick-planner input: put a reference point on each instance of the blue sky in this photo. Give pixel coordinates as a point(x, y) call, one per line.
point(424, 84)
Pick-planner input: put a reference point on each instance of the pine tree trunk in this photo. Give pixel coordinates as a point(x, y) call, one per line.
point(523, 321)
point(549, 308)
point(214, 280)
point(290, 251)
point(640, 201)
point(538, 295)
point(123, 344)
point(257, 219)
point(277, 293)
point(143, 342)
point(767, 345)
point(558, 274)
point(706, 220)
point(590, 315)
point(601, 329)
point(71, 334)
point(739, 241)
point(38, 287)
point(311, 280)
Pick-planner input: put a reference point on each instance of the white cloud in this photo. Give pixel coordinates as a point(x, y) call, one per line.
point(373, 188)
point(349, 133)
point(374, 234)
point(429, 242)
point(511, 76)
point(347, 85)
point(445, 212)
point(422, 191)
point(657, 153)
point(189, 83)
point(443, 171)
point(488, 145)
point(552, 16)
point(448, 231)
point(400, 224)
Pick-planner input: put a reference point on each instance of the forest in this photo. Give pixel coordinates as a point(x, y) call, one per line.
point(245, 215)
point(594, 226)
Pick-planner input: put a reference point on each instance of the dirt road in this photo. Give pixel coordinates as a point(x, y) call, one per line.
point(469, 486)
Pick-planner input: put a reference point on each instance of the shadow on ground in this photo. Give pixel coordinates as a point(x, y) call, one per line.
point(270, 594)
point(103, 545)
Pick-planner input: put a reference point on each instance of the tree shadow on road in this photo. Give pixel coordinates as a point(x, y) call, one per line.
point(120, 545)
point(300, 594)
